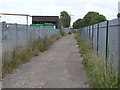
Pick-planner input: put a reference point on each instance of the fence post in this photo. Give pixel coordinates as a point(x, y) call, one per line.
point(92, 34)
point(0, 50)
point(97, 37)
point(118, 52)
point(89, 32)
point(16, 39)
point(106, 42)
point(26, 34)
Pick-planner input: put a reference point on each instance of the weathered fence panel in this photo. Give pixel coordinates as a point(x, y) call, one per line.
point(0, 50)
point(66, 30)
point(102, 39)
point(113, 43)
point(95, 38)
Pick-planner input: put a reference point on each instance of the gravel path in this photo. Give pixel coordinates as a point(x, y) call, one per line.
point(58, 67)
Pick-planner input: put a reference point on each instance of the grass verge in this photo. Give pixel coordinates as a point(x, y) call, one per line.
point(23, 54)
point(95, 67)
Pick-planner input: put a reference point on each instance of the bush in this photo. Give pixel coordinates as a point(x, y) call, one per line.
point(69, 33)
point(99, 76)
point(74, 31)
point(63, 33)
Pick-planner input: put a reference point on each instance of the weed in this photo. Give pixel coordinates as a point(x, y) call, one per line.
point(23, 54)
point(99, 76)
point(69, 33)
point(74, 31)
point(63, 33)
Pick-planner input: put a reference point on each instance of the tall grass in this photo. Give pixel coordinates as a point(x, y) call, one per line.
point(63, 33)
point(23, 54)
point(99, 76)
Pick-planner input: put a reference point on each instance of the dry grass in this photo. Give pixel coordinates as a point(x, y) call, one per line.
point(99, 76)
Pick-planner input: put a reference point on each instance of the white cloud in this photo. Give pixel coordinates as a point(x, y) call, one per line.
point(78, 8)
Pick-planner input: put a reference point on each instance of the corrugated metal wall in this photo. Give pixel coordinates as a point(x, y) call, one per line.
point(103, 41)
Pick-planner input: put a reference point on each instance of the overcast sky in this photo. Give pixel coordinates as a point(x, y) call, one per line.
point(78, 8)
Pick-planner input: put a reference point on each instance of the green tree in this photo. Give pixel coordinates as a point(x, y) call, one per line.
point(97, 19)
point(89, 19)
point(78, 24)
point(118, 15)
point(65, 19)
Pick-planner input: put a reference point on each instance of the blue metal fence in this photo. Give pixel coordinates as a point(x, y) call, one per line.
point(105, 38)
point(13, 35)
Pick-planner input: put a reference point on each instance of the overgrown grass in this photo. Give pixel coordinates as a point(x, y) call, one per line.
point(70, 33)
point(74, 30)
point(63, 33)
point(23, 54)
point(99, 76)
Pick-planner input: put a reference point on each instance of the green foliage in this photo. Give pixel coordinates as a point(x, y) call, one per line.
point(63, 33)
point(89, 19)
point(97, 19)
point(65, 19)
point(69, 33)
point(118, 15)
point(99, 76)
point(74, 31)
point(78, 24)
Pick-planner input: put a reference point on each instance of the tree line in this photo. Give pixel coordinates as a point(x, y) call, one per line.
point(90, 18)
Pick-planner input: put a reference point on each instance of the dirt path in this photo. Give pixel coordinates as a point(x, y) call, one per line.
point(58, 67)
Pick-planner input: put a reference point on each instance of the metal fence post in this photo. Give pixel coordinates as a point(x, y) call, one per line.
point(107, 42)
point(97, 37)
point(16, 38)
point(92, 34)
point(27, 34)
point(89, 32)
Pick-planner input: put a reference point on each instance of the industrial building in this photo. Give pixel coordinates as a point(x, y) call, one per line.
point(46, 19)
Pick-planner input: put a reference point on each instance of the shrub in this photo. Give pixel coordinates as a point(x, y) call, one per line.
point(69, 33)
point(63, 33)
point(74, 31)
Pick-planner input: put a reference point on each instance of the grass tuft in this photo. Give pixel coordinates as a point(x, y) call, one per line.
point(63, 33)
point(69, 33)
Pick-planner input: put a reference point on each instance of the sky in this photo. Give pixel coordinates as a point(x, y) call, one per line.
point(77, 8)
